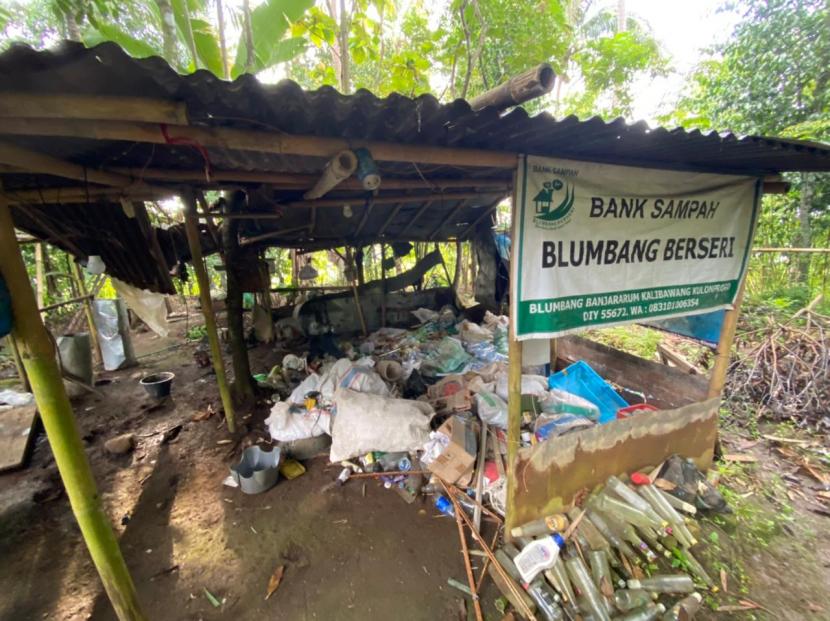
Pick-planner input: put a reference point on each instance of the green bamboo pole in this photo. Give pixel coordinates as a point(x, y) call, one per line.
point(78, 277)
point(192, 231)
point(39, 359)
point(18, 364)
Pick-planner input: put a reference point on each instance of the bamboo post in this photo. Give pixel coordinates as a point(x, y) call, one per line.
point(40, 274)
point(192, 231)
point(514, 379)
point(717, 380)
point(383, 285)
point(554, 352)
point(55, 410)
point(93, 333)
point(18, 365)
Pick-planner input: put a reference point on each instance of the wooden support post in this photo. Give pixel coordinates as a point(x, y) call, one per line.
point(93, 333)
point(39, 360)
point(717, 380)
point(383, 285)
point(18, 365)
point(40, 273)
point(514, 423)
point(553, 355)
point(350, 258)
point(192, 230)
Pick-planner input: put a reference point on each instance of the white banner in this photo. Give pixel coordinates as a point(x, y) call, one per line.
point(600, 245)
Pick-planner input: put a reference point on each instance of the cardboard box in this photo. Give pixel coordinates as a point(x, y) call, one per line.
point(455, 464)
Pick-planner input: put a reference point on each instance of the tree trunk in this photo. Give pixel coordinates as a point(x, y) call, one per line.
point(73, 30)
point(250, 52)
point(343, 37)
point(223, 47)
point(168, 31)
point(456, 277)
point(243, 383)
point(805, 236)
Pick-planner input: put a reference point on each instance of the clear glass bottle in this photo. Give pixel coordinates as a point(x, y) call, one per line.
point(629, 599)
point(635, 500)
point(685, 609)
point(666, 583)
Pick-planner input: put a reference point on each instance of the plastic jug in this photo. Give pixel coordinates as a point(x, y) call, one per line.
point(538, 556)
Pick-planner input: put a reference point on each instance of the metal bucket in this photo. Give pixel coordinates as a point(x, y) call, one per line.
point(257, 470)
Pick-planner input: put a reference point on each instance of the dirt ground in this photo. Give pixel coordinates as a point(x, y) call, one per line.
point(352, 552)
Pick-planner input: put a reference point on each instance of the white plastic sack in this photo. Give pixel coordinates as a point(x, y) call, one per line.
point(473, 333)
point(492, 409)
point(434, 447)
point(536, 385)
point(150, 307)
point(309, 384)
point(287, 426)
point(357, 375)
point(15, 398)
point(424, 314)
point(365, 422)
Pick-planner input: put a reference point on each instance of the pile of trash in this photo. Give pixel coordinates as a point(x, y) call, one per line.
point(433, 393)
point(626, 554)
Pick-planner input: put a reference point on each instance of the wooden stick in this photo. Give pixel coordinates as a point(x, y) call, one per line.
point(451, 216)
point(467, 566)
point(75, 300)
point(247, 241)
point(46, 164)
point(302, 181)
point(717, 379)
point(484, 567)
point(496, 565)
point(192, 231)
point(257, 141)
point(90, 321)
point(415, 218)
point(69, 195)
point(393, 473)
point(18, 365)
point(487, 212)
point(389, 220)
point(41, 366)
point(114, 108)
point(479, 476)
point(460, 492)
point(383, 286)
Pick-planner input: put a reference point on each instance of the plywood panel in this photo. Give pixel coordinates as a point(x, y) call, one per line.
point(16, 436)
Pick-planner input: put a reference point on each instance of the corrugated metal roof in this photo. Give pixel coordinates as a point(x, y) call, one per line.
point(245, 103)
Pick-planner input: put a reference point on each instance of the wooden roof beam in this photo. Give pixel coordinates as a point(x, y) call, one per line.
point(59, 106)
point(258, 141)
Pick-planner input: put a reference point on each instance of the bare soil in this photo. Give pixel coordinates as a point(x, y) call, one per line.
point(352, 552)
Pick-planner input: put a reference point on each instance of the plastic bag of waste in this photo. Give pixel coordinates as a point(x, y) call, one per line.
point(491, 409)
point(691, 485)
point(470, 332)
point(424, 315)
point(447, 357)
point(14, 398)
point(288, 422)
point(309, 384)
point(551, 425)
point(364, 422)
point(434, 446)
point(535, 385)
point(562, 402)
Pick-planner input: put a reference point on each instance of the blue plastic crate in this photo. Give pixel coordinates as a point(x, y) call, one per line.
point(5, 309)
point(580, 379)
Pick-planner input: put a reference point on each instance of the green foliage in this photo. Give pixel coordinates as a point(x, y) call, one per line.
point(270, 21)
point(633, 339)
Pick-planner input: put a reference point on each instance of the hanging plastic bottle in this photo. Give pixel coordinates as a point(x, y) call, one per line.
point(635, 500)
point(629, 599)
point(685, 609)
point(648, 612)
point(538, 556)
point(666, 583)
point(550, 524)
point(591, 598)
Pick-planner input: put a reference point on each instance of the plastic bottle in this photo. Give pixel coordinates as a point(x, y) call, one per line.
point(600, 569)
point(629, 599)
point(615, 541)
point(625, 511)
point(595, 539)
point(546, 600)
point(627, 532)
point(685, 609)
point(582, 581)
point(648, 612)
point(558, 578)
point(443, 504)
point(666, 583)
point(550, 524)
point(677, 503)
point(635, 500)
point(662, 506)
point(538, 556)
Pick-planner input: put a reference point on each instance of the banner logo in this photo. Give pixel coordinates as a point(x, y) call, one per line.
point(554, 204)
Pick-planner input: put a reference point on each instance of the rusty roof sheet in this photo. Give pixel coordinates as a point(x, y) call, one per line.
point(245, 103)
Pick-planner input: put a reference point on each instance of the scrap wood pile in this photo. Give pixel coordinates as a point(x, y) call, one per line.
point(782, 371)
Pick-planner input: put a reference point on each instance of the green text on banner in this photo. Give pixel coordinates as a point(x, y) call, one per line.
point(602, 245)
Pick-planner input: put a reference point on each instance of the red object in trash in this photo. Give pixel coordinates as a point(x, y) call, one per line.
point(638, 478)
point(633, 409)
